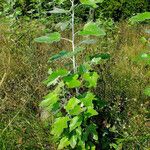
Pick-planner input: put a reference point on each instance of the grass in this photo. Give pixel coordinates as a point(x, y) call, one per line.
point(23, 67)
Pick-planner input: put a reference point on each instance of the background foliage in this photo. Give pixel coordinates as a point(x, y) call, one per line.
point(115, 9)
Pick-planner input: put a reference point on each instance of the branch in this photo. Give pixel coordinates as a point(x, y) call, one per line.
point(67, 40)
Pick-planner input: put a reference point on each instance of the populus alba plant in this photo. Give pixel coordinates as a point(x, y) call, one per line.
point(71, 100)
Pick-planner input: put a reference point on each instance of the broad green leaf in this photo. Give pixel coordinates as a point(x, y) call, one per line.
point(81, 143)
point(73, 141)
point(91, 2)
point(52, 37)
point(147, 91)
point(64, 142)
point(92, 28)
point(65, 54)
point(96, 60)
point(79, 132)
point(77, 50)
point(55, 75)
point(88, 99)
point(91, 112)
point(91, 78)
point(76, 110)
point(83, 68)
point(73, 84)
point(140, 17)
point(72, 81)
point(49, 101)
point(75, 122)
point(93, 147)
point(102, 56)
point(58, 11)
point(59, 125)
point(71, 104)
point(58, 56)
point(52, 98)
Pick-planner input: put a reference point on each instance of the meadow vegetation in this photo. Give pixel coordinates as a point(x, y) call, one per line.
point(124, 121)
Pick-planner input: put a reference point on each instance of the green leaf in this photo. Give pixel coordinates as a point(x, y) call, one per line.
point(75, 122)
point(53, 37)
point(91, 2)
point(72, 81)
point(53, 77)
point(71, 104)
point(59, 125)
point(58, 56)
point(79, 132)
point(73, 84)
point(102, 56)
point(65, 54)
point(81, 143)
point(73, 141)
point(58, 11)
point(92, 28)
point(140, 17)
point(75, 52)
point(76, 111)
point(91, 112)
point(59, 1)
point(64, 142)
point(52, 98)
point(147, 91)
point(91, 78)
point(88, 99)
point(82, 69)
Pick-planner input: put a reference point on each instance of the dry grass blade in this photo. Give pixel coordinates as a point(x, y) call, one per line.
point(2, 80)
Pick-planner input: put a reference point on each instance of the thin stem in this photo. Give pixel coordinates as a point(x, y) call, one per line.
point(73, 37)
point(67, 39)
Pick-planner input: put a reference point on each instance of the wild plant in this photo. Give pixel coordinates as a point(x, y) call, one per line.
point(72, 100)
